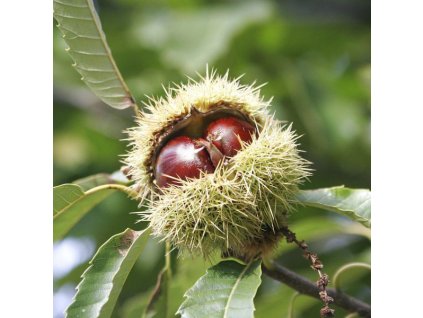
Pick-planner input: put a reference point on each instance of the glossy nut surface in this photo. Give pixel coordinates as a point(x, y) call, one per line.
point(182, 157)
point(225, 133)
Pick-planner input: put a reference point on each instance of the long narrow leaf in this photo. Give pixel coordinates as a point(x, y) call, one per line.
point(71, 203)
point(226, 290)
point(187, 273)
point(102, 282)
point(81, 28)
point(353, 203)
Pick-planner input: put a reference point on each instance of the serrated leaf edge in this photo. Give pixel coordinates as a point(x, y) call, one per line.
point(77, 288)
point(247, 266)
point(102, 38)
point(365, 221)
point(238, 280)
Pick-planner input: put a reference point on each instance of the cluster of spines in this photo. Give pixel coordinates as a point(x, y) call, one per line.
point(230, 208)
point(162, 113)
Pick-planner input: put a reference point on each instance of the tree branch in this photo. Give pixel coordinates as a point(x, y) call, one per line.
point(304, 286)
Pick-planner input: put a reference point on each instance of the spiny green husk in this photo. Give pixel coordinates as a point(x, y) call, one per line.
point(234, 207)
point(162, 113)
point(237, 209)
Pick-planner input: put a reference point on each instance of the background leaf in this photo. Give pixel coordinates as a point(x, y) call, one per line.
point(226, 290)
point(353, 203)
point(70, 204)
point(211, 30)
point(82, 32)
point(103, 281)
point(187, 273)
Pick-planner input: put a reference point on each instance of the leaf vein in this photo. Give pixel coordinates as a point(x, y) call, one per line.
point(70, 5)
point(234, 288)
point(87, 53)
point(71, 17)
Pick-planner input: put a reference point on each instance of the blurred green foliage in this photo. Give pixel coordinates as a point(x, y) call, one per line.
point(314, 57)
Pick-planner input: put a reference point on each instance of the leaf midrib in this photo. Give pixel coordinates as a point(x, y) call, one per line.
point(118, 187)
point(104, 309)
point(234, 288)
point(106, 48)
point(70, 203)
point(83, 196)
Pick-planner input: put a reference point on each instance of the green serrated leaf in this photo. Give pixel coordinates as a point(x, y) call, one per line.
point(157, 306)
point(102, 282)
point(226, 290)
point(353, 203)
point(81, 28)
point(187, 273)
point(71, 203)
